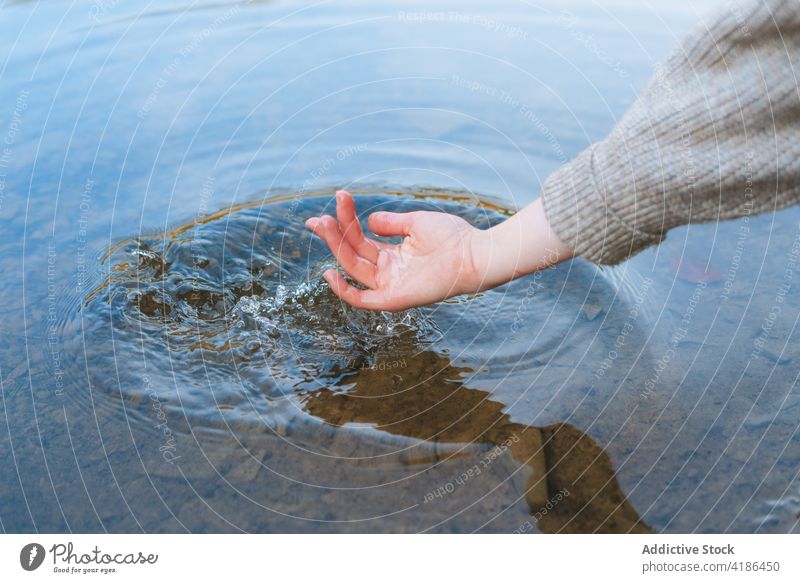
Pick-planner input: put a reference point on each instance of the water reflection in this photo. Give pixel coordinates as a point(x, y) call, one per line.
point(571, 487)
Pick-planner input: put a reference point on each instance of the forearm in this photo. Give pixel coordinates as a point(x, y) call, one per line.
point(712, 136)
point(520, 245)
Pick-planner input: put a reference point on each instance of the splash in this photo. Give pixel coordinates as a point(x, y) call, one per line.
point(241, 296)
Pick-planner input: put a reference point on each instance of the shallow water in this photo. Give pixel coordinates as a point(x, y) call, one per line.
point(172, 360)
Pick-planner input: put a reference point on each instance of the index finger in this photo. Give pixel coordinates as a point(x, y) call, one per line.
point(351, 227)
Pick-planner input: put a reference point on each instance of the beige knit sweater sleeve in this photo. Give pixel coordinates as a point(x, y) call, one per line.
point(715, 134)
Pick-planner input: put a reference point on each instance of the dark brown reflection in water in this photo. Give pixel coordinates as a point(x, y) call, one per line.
point(572, 487)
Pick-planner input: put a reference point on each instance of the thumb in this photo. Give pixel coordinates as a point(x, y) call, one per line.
point(387, 224)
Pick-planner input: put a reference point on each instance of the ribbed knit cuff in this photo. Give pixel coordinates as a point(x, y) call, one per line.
point(580, 214)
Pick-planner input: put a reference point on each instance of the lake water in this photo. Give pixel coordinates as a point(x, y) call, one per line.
point(171, 360)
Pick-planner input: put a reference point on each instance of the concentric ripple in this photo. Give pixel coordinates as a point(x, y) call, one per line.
point(228, 317)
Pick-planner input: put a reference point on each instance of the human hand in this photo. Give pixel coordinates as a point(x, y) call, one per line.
point(441, 255)
point(432, 263)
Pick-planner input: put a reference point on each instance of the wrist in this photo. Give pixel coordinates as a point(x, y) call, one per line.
point(478, 263)
point(522, 244)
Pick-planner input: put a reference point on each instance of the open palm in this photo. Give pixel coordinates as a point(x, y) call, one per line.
point(433, 262)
